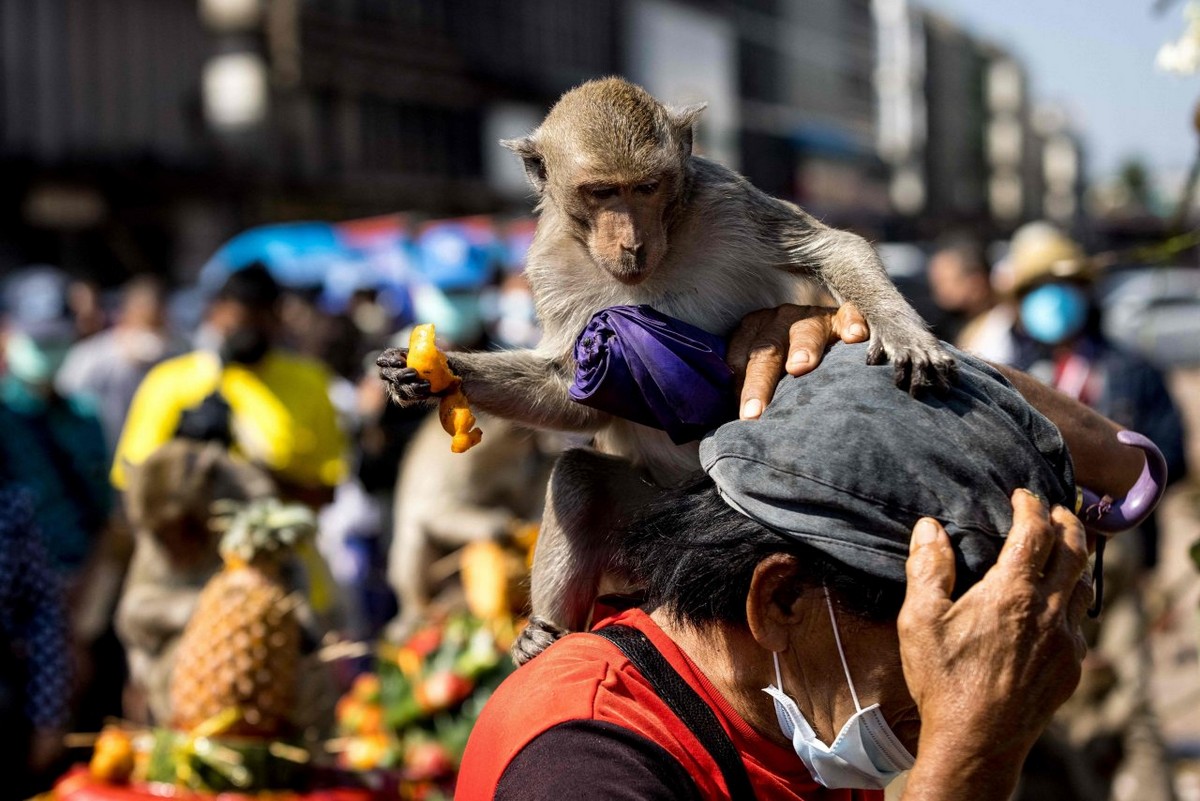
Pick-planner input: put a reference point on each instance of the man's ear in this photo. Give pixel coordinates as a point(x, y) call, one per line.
point(772, 605)
point(683, 120)
point(535, 166)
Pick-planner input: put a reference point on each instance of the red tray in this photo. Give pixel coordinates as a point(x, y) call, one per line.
point(78, 785)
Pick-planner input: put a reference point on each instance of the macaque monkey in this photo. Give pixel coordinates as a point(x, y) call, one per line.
point(629, 215)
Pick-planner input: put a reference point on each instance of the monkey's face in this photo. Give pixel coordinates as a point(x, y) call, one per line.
point(625, 229)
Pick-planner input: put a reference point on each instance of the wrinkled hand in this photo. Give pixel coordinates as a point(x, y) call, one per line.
point(790, 340)
point(988, 671)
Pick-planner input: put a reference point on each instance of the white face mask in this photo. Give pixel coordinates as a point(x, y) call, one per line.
point(866, 753)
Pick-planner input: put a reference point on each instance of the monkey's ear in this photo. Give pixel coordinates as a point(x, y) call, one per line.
point(535, 165)
point(684, 121)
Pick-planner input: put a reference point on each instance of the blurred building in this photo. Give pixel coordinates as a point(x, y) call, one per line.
point(959, 131)
point(140, 134)
point(805, 71)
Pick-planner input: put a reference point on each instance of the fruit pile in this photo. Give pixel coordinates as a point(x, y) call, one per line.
point(411, 717)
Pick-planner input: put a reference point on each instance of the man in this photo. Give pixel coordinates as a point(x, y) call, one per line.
point(961, 286)
point(271, 407)
point(1057, 338)
point(52, 443)
point(108, 367)
point(786, 569)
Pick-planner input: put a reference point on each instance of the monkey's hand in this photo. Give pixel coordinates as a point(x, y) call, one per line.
point(919, 360)
point(405, 386)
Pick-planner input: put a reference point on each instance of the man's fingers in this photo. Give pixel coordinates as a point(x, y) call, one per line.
point(930, 567)
point(1068, 559)
point(1031, 538)
point(849, 324)
point(763, 369)
point(743, 338)
point(807, 339)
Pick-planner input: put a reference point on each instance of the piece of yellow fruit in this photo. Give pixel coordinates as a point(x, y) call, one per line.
point(458, 422)
point(453, 411)
point(429, 362)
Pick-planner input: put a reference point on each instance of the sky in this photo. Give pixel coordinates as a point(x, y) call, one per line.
point(1096, 59)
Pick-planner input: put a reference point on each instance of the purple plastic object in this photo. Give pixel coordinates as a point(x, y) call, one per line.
point(639, 364)
point(1107, 516)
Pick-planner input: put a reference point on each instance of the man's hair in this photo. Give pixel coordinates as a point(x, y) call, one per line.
point(252, 286)
point(696, 556)
point(970, 251)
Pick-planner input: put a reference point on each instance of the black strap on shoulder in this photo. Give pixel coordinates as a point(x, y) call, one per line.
point(689, 707)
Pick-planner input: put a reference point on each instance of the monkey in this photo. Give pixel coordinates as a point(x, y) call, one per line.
point(445, 500)
point(628, 214)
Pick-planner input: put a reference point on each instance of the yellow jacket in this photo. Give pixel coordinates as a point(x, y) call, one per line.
point(282, 417)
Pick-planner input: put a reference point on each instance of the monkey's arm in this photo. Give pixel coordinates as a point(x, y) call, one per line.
point(852, 269)
point(525, 386)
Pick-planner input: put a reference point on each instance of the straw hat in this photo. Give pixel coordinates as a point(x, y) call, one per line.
point(1040, 251)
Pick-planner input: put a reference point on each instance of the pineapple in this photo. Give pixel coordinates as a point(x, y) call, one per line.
point(241, 648)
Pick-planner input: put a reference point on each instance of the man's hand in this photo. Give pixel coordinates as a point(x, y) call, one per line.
point(988, 671)
point(789, 339)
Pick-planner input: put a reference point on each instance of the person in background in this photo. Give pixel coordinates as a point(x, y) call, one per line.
point(238, 387)
point(960, 284)
point(35, 675)
point(108, 367)
point(52, 442)
point(1057, 338)
point(975, 317)
point(87, 307)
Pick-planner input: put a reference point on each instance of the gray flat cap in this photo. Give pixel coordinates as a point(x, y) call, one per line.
point(846, 462)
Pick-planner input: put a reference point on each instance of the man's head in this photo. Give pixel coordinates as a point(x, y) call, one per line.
point(820, 496)
point(1052, 283)
point(38, 326)
point(143, 305)
point(244, 313)
point(959, 277)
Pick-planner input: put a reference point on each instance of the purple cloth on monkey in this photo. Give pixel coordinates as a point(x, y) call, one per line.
point(639, 364)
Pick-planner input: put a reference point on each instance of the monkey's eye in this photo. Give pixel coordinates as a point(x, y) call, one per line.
point(604, 192)
point(648, 188)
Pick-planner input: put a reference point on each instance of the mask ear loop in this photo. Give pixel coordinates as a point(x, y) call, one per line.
point(778, 675)
point(841, 653)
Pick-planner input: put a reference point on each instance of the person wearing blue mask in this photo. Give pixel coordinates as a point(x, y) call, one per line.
point(1058, 339)
point(53, 443)
point(860, 584)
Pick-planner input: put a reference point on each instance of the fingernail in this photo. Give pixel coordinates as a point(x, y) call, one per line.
point(752, 408)
point(1035, 496)
point(799, 359)
point(857, 331)
point(925, 533)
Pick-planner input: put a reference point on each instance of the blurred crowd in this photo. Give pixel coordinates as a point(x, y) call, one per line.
point(123, 420)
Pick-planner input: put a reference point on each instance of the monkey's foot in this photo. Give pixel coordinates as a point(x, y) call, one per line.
point(919, 361)
point(539, 634)
point(405, 386)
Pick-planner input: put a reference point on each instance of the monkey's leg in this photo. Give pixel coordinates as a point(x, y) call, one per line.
point(589, 496)
point(409, 558)
point(851, 267)
point(525, 386)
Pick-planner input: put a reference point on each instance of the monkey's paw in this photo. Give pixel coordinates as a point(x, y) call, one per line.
point(539, 634)
point(404, 386)
point(919, 361)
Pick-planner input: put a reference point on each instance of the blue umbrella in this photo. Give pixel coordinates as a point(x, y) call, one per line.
point(297, 254)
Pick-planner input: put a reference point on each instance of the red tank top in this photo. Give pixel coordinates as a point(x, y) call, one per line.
point(583, 677)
